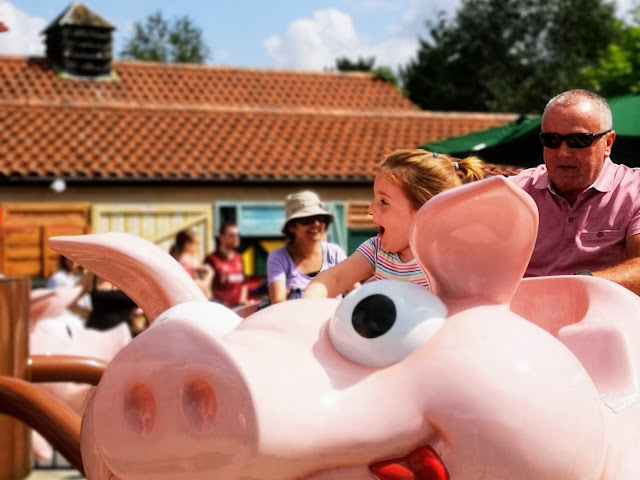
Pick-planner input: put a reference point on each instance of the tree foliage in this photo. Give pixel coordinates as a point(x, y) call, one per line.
point(160, 41)
point(344, 64)
point(618, 69)
point(507, 55)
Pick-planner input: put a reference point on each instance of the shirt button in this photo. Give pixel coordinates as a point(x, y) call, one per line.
point(570, 219)
point(600, 234)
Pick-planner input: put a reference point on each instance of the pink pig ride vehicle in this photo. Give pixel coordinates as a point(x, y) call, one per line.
point(56, 332)
point(487, 376)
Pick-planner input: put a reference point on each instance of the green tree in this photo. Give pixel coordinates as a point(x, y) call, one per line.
point(618, 69)
point(507, 55)
point(159, 41)
point(344, 64)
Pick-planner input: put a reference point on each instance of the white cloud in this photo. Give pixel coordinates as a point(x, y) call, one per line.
point(372, 5)
point(23, 37)
point(625, 8)
point(415, 17)
point(315, 43)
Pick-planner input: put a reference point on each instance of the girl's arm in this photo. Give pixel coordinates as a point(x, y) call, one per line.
point(340, 278)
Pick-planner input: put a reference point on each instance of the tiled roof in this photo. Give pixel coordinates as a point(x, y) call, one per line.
point(504, 170)
point(177, 122)
point(147, 84)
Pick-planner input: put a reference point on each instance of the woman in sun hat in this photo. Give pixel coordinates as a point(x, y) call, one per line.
point(291, 268)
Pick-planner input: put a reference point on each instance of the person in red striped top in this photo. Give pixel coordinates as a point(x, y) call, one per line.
point(406, 180)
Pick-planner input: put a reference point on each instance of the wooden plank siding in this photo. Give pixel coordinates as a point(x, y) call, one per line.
point(25, 229)
point(158, 223)
point(357, 216)
point(35, 213)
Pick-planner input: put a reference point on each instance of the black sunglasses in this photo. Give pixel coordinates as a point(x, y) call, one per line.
point(574, 140)
point(313, 219)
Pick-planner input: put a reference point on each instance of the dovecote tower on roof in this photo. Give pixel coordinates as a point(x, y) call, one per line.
point(79, 42)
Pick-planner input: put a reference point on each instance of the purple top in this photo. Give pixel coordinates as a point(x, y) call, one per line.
point(280, 266)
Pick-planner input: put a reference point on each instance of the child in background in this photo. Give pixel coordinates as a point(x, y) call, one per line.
point(185, 251)
point(68, 275)
point(406, 180)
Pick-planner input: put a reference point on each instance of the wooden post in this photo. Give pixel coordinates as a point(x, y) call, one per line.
point(15, 437)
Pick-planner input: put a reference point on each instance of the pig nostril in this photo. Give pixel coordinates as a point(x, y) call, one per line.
point(140, 409)
point(199, 405)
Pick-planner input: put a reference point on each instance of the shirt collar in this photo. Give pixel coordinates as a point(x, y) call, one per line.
point(604, 182)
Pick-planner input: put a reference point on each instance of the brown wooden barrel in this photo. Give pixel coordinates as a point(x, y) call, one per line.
point(15, 436)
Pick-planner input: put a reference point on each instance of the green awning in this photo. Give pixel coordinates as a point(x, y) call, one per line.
point(478, 141)
point(626, 115)
point(517, 143)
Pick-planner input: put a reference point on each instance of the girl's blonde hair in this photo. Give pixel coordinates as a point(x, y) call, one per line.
point(422, 174)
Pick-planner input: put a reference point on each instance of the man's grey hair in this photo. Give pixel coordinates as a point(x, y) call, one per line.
point(573, 97)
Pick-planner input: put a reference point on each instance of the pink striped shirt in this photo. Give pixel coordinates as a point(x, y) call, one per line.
point(591, 234)
point(388, 266)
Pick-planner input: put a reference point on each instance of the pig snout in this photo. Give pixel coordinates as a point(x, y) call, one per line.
point(189, 405)
point(182, 403)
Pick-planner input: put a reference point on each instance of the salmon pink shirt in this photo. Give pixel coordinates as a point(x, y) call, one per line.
point(591, 234)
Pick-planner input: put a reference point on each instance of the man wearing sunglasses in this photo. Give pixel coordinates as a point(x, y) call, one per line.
point(589, 206)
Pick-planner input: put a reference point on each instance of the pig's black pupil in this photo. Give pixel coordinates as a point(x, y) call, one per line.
point(374, 316)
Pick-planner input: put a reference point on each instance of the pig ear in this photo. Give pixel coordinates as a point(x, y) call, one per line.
point(142, 270)
point(474, 242)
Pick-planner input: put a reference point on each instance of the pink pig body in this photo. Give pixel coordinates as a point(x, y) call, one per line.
point(482, 374)
point(54, 331)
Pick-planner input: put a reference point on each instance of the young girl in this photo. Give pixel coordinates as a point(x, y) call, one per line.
point(406, 180)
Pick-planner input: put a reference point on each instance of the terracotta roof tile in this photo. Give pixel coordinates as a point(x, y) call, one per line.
point(160, 84)
point(505, 170)
point(190, 123)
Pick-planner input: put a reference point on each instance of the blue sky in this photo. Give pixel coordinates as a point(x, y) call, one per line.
point(297, 34)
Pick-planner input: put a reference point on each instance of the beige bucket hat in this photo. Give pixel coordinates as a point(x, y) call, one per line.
point(303, 204)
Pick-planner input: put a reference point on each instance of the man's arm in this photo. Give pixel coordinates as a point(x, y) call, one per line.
point(626, 273)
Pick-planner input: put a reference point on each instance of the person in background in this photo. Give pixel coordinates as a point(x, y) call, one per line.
point(100, 305)
point(70, 274)
point(589, 206)
point(406, 180)
point(185, 251)
point(291, 268)
point(228, 284)
point(110, 306)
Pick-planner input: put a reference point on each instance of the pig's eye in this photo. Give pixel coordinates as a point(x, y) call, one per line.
point(382, 322)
